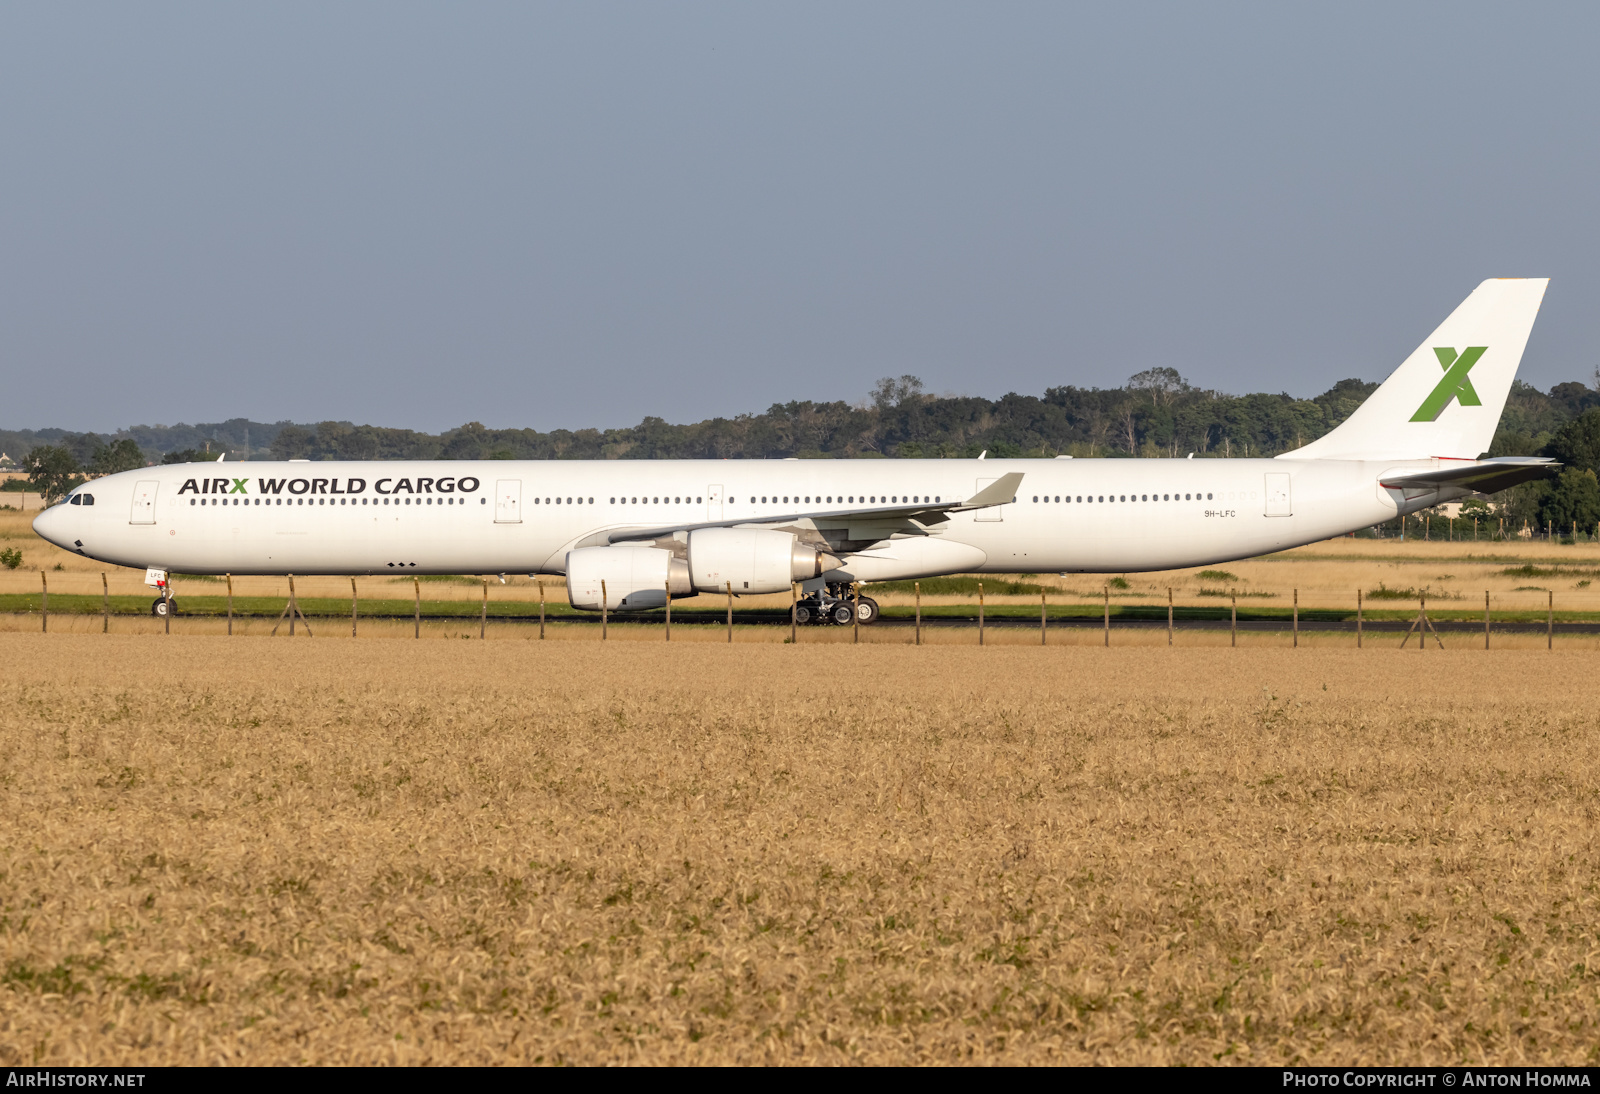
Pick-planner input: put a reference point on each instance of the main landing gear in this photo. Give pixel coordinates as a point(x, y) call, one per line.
point(835, 605)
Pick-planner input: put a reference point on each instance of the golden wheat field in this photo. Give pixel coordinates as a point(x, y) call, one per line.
point(220, 850)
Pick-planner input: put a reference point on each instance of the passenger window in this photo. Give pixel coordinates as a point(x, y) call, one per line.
point(1208, 497)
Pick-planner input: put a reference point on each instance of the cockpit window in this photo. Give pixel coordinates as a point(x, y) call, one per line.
point(80, 499)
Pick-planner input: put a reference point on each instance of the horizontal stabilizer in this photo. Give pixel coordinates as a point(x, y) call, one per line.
point(1481, 476)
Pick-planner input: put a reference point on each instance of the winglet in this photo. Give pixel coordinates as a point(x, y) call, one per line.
point(1001, 491)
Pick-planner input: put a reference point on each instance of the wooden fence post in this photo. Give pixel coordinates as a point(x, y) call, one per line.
point(483, 613)
point(794, 609)
point(1169, 615)
point(916, 588)
point(669, 610)
point(1297, 619)
point(1486, 619)
point(604, 609)
point(288, 611)
point(230, 605)
point(541, 612)
point(291, 611)
point(44, 603)
point(352, 607)
point(416, 616)
point(1107, 591)
point(105, 605)
point(730, 612)
point(1550, 623)
point(1358, 619)
point(1044, 633)
point(855, 615)
point(1233, 615)
point(980, 613)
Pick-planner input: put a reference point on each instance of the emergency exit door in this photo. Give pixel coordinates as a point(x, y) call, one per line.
point(144, 502)
point(993, 512)
point(1278, 501)
point(508, 501)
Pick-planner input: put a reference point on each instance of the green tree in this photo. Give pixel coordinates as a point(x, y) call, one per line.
point(1577, 444)
point(1573, 498)
point(187, 455)
point(291, 443)
point(123, 455)
point(52, 470)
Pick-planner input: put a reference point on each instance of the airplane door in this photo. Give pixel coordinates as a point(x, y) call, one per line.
point(1278, 501)
point(508, 501)
point(144, 502)
point(994, 512)
point(714, 502)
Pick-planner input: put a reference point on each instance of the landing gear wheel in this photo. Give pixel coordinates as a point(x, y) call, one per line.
point(802, 614)
point(159, 608)
point(842, 614)
point(867, 609)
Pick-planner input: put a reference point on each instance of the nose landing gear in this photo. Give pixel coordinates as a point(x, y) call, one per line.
point(161, 606)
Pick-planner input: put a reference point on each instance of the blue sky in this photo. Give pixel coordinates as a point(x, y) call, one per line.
point(574, 215)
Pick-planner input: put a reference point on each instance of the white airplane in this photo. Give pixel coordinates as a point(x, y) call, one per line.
point(627, 535)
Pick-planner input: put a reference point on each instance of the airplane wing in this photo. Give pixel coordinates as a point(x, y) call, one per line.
point(1000, 492)
point(1482, 476)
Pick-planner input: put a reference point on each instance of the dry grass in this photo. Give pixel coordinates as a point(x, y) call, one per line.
point(318, 851)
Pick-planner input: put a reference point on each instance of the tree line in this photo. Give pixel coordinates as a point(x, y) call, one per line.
point(1155, 414)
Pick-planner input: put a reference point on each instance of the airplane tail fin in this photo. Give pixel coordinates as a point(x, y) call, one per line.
point(1445, 399)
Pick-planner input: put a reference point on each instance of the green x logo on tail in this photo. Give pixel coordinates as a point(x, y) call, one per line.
point(1455, 384)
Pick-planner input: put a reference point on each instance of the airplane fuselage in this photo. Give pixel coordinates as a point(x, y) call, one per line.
point(450, 517)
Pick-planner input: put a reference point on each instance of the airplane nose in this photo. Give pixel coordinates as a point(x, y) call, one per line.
point(52, 525)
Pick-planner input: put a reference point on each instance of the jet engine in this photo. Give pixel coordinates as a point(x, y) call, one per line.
point(627, 579)
point(752, 560)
